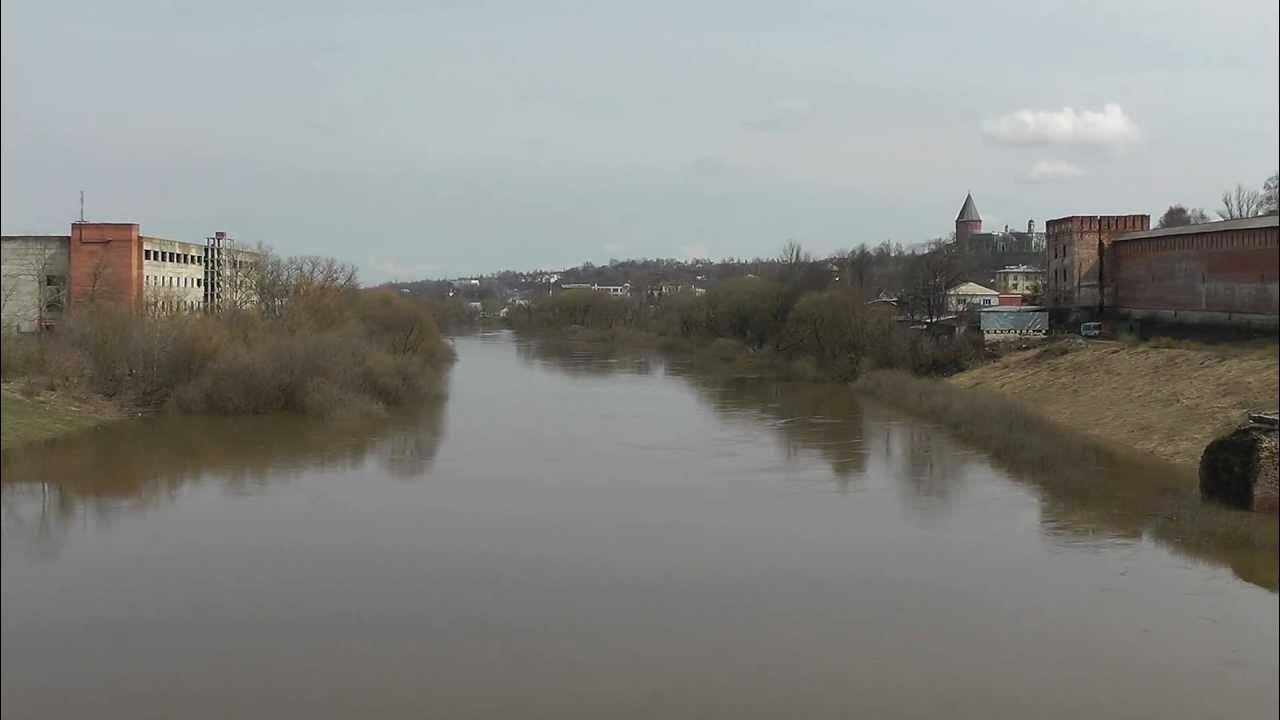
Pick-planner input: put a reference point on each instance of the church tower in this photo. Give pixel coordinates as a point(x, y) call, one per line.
point(968, 221)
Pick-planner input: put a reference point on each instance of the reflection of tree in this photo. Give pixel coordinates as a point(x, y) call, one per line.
point(1117, 498)
point(927, 460)
point(585, 359)
point(143, 462)
point(821, 418)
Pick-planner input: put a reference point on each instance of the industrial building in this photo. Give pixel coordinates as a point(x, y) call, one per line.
point(47, 276)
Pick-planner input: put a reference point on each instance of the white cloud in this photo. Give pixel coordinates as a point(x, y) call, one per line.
point(1049, 170)
point(1109, 128)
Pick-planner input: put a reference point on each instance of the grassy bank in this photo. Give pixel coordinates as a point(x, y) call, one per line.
point(1130, 488)
point(28, 416)
point(312, 348)
point(1167, 400)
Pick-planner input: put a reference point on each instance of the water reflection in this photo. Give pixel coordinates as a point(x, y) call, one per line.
point(586, 360)
point(1124, 501)
point(130, 466)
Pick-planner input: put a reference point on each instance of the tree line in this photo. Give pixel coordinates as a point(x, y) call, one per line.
point(1239, 202)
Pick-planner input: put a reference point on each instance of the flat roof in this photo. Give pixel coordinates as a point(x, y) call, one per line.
point(1253, 223)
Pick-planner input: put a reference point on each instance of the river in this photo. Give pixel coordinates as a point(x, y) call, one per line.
point(573, 534)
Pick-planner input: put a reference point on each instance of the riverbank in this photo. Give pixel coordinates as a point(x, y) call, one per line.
point(1147, 494)
point(1167, 400)
point(326, 351)
point(27, 418)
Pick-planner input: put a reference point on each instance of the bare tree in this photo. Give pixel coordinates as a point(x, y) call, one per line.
point(1271, 194)
point(793, 255)
point(40, 267)
point(931, 274)
point(1240, 203)
point(98, 285)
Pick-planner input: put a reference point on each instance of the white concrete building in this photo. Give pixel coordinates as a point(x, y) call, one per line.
point(34, 281)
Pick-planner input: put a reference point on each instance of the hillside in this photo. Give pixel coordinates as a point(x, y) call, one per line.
point(1164, 399)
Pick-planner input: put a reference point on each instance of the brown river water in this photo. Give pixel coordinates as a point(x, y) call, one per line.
point(575, 535)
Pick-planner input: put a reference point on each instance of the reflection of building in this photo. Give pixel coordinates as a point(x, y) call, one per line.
point(970, 295)
point(1019, 279)
point(48, 275)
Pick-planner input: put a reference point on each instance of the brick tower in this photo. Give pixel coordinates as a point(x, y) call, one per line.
point(968, 221)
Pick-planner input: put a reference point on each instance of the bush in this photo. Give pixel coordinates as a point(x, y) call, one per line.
point(350, 353)
point(759, 326)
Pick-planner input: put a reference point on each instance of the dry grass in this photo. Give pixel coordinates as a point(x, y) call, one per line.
point(30, 415)
point(1165, 401)
point(1093, 480)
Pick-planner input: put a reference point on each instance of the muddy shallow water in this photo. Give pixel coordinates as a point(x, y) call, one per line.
point(577, 535)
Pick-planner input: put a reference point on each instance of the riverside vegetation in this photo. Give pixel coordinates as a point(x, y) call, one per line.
point(310, 342)
point(754, 326)
point(774, 327)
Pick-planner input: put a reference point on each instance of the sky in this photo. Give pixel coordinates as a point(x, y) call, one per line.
point(436, 139)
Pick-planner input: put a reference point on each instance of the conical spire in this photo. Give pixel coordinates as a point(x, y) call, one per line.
point(968, 211)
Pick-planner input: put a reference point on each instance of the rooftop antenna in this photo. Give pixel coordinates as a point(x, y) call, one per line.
point(81, 206)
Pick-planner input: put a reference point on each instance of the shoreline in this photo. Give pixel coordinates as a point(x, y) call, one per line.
point(34, 419)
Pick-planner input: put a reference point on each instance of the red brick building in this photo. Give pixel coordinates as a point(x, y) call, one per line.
point(968, 221)
point(1219, 273)
point(104, 263)
point(1075, 246)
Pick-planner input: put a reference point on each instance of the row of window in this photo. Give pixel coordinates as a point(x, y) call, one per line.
point(176, 305)
point(172, 281)
point(172, 257)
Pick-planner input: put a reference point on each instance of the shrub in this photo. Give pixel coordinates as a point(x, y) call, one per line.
point(348, 353)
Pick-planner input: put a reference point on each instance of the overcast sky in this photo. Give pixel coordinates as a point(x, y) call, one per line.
point(424, 139)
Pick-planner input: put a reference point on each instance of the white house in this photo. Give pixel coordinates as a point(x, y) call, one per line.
point(971, 295)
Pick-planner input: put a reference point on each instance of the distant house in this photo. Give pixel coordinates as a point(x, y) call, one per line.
point(614, 290)
point(1010, 299)
point(970, 295)
point(1021, 279)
